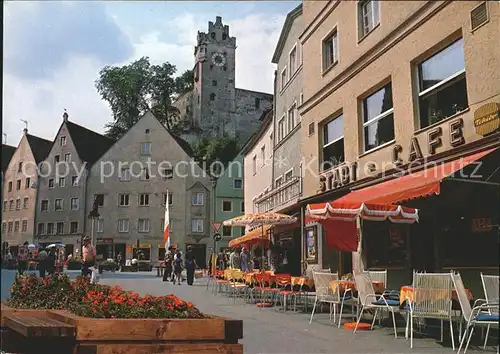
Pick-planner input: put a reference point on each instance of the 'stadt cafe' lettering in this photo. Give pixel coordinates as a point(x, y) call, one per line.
point(347, 173)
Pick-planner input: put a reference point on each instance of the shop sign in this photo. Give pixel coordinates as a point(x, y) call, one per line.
point(481, 225)
point(104, 241)
point(337, 177)
point(487, 118)
point(434, 140)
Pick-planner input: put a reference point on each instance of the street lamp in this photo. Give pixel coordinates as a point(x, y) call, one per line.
point(214, 177)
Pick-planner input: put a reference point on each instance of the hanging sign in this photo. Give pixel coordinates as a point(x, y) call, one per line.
point(487, 118)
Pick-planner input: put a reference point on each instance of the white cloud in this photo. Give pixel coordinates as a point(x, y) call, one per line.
point(42, 103)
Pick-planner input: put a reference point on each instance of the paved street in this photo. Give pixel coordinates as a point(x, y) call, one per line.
point(268, 331)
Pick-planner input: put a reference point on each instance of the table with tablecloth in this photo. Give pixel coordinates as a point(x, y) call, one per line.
point(302, 282)
point(343, 285)
point(407, 293)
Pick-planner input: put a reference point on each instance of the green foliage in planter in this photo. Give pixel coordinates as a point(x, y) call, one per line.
point(109, 265)
point(57, 291)
point(74, 264)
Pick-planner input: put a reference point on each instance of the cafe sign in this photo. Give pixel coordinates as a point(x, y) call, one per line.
point(337, 177)
point(487, 118)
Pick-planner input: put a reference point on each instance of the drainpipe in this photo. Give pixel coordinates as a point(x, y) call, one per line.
point(274, 126)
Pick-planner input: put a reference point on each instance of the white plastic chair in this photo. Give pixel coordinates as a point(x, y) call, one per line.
point(485, 314)
point(431, 299)
point(369, 300)
point(324, 293)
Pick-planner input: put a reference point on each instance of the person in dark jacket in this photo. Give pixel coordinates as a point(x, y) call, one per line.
point(51, 261)
point(178, 264)
point(191, 265)
point(167, 275)
point(42, 262)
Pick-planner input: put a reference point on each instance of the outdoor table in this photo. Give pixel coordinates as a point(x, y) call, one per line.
point(407, 293)
point(302, 281)
point(159, 270)
point(344, 285)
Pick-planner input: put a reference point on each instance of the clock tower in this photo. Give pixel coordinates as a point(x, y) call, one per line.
point(214, 74)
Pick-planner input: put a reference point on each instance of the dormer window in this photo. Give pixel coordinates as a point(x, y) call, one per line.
point(212, 96)
point(63, 140)
point(224, 36)
point(212, 34)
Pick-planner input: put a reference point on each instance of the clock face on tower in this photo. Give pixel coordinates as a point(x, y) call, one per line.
point(218, 59)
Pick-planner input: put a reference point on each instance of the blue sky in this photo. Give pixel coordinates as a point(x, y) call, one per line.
point(54, 51)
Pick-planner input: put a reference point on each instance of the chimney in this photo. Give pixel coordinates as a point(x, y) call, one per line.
point(65, 116)
point(25, 131)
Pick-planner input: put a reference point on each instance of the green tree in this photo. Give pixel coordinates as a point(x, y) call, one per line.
point(223, 149)
point(133, 89)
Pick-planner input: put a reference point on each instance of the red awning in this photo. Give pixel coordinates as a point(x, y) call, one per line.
point(377, 202)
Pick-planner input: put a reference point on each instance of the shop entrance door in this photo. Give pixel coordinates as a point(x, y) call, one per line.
point(120, 248)
point(200, 254)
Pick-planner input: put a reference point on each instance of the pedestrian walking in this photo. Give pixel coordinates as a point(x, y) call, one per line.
point(88, 256)
point(167, 274)
point(22, 260)
point(51, 261)
point(177, 268)
point(191, 265)
point(42, 262)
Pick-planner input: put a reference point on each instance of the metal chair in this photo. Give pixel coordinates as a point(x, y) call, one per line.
point(324, 293)
point(491, 285)
point(485, 314)
point(369, 300)
point(431, 299)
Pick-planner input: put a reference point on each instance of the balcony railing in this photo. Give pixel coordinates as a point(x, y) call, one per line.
point(279, 196)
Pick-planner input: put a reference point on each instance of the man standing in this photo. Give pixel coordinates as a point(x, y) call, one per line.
point(88, 256)
point(190, 264)
point(234, 259)
point(244, 260)
point(42, 262)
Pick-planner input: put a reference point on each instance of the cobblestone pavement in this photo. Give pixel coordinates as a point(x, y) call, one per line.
point(269, 331)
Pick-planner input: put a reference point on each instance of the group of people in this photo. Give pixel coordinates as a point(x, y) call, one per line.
point(46, 259)
point(174, 265)
point(237, 259)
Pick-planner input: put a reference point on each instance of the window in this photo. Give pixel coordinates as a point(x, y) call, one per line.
point(291, 118)
point(145, 148)
point(11, 226)
point(479, 16)
point(51, 183)
point(442, 85)
point(169, 197)
point(4, 227)
point(100, 225)
point(144, 199)
point(226, 231)
point(27, 183)
point(50, 228)
point(146, 131)
point(143, 225)
point(75, 204)
point(283, 78)
point(18, 184)
point(198, 198)
point(212, 96)
point(58, 205)
point(25, 202)
point(281, 129)
point(73, 227)
point(63, 141)
point(288, 175)
point(214, 82)
point(60, 227)
point(125, 174)
point(11, 204)
point(227, 205)
point(197, 225)
point(18, 204)
point(56, 159)
point(333, 143)
point(99, 198)
point(74, 181)
point(330, 50)
point(16, 226)
point(123, 225)
point(40, 228)
point(242, 207)
point(10, 186)
point(237, 184)
point(279, 181)
point(167, 173)
point(257, 103)
point(5, 205)
point(145, 176)
point(44, 205)
point(263, 156)
point(20, 167)
point(368, 16)
point(123, 200)
point(67, 157)
point(62, 182)
point(24, 226)
point(378, 118)
point(293, 60)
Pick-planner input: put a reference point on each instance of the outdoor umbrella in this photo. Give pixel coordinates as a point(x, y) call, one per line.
point(57, 244)
point(261, 219)
point(31, 246)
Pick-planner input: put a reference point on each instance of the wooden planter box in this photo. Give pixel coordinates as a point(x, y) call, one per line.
point(83, 335)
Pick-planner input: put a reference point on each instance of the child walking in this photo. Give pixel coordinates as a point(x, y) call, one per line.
point(177, 267)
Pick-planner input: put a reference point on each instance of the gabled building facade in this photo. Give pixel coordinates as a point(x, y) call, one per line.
point(144, 169)
point(61, 214)
point(20, 189)
point(286, 180)
point(229, 199)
